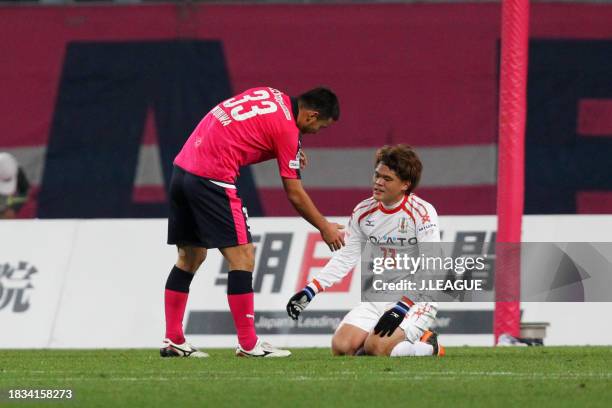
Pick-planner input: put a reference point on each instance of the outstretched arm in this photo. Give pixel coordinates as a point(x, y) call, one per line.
point(297, 196)
point(337, 268)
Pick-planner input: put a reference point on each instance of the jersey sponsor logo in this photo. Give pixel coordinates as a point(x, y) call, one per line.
point(426, 227)
point(387, 239)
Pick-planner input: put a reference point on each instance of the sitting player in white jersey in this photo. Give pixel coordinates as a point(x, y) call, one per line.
point(393, 211)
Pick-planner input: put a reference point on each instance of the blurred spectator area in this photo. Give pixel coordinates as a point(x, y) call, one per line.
point(97, 100)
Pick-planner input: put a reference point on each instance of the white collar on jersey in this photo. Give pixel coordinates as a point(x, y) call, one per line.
point(393, 206)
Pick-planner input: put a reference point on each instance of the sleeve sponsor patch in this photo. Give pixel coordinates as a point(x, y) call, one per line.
point(294, 164)
point(425, 227)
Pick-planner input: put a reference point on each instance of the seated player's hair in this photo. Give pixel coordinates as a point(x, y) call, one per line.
point(323, 101)
point(403, 160)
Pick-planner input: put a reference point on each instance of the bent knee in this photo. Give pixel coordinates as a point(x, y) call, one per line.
point(241, 257)
point(376, 346)
point(341, 346)
point(248, 256)
point(190, 258)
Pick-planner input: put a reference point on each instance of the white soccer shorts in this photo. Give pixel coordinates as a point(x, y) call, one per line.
point(419, 319)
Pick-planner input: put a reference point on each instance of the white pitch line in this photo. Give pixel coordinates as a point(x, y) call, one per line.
point(343, 372)
point(386, 376)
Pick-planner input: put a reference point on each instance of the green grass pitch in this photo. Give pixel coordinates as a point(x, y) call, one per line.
point(470, 377)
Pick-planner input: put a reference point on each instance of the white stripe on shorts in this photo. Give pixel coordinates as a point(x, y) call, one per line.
point(224, 185)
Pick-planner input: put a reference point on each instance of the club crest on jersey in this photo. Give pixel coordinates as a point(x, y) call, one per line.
point(403, 225)
point(369, 222)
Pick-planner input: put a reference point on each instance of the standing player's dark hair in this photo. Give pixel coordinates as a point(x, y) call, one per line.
point(403, 160)
point(323, 101)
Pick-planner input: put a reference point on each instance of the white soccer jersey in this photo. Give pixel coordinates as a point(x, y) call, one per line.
point(389, 230)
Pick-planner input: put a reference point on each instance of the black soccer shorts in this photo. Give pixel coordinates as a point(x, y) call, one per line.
point(205, 213)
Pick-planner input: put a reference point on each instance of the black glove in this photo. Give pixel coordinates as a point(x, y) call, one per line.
point(391, 319)
point(299, 302)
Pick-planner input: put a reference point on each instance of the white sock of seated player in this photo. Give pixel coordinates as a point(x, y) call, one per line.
point(417, 349)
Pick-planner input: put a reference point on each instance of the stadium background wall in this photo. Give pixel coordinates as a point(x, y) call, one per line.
point(58, 285)
point(87, 86)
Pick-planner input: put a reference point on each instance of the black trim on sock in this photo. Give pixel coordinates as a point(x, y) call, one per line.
point(179, 280)
point(239, 282)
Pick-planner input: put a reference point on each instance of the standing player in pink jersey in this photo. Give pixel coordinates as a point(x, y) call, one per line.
point(206, 211)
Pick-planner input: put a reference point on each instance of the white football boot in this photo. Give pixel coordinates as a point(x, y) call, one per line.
point(262, 349)
point(171, 349)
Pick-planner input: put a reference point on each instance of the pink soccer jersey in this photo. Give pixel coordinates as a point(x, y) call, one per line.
point(252, 127)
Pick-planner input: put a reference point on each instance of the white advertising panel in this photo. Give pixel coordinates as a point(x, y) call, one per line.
point(100, 283)
point(34, 261)
point(113, 295)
